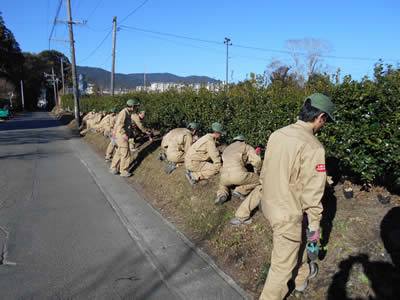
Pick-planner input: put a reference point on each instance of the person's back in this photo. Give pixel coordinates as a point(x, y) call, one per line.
point(177, 138)
point(199, 151)
point(287, 150)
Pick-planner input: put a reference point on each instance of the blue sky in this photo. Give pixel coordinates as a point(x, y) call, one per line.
point(354, 29)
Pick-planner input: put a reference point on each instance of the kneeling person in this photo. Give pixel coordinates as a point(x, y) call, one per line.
point(176, 144)
point(197, 158)
point(234, 173)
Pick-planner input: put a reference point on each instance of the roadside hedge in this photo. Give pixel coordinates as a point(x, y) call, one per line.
point(365, 138)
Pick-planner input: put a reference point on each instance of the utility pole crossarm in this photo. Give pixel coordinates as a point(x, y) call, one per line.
point(71, 22)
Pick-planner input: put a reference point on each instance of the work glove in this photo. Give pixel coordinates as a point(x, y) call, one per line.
point(312, 241)
point(312, 236)
point(113, 137)
point(126, 138)
point(258, 149)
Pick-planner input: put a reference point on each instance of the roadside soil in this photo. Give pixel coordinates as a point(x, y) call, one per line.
point(354, 261)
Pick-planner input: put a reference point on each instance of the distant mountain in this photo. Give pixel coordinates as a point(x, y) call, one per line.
point(102, 78)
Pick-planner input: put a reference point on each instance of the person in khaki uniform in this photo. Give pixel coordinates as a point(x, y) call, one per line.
point(137, 128)
point(93, 122)
point(175, 144)
point(86, 118)
point(198, 155)
point(293, 183)
point(121, 160)
point(234, 173)
point(107, 123)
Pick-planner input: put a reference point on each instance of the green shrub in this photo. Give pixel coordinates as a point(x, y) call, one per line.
point(365, 137)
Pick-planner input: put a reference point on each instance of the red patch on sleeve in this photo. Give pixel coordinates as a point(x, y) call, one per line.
point(320, 168)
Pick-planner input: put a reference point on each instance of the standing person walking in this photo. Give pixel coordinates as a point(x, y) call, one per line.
point(293, 183)
point(122, 130)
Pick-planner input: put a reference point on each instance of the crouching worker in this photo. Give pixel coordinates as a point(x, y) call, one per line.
point(293, 183)
point(234, 173)
point(197, 158)
point(107, 123)
point(176, 143)
point(121, 161)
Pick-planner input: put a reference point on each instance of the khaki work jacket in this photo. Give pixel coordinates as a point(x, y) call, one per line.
point(203, 150)
point(237, 155)
point(294, 177)
point(178, 139)
point(88, 116)
point(123, 124)
point(107, 123)
point(137, 125)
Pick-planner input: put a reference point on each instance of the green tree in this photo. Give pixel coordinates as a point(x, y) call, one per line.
point(11, 58)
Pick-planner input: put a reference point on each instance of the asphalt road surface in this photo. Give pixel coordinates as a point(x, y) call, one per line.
point(60, 237)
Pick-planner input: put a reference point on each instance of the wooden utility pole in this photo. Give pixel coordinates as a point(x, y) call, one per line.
point(73, 61)
point(73, 65)
point(113, 56)
point(227, 42)
point(54, 86)
point(22, 95)
point(62, 74)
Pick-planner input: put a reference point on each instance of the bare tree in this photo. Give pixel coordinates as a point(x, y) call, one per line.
point(307, 56)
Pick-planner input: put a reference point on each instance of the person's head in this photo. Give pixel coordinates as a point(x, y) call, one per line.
point(104, 113)
point(239, 138)
point(93, 111)
point(113, 111)
point(193, 127)
point(131, 104)
point(142, 114)
point(317, 110)
point(217, 130)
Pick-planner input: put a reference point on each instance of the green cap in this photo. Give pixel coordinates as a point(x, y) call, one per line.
point(113, 110)
point(238, 138)
point(323, 103)
point(142, 112)
point(132, 102)
point(93, 110)
point(193, 126)
point(217, 127)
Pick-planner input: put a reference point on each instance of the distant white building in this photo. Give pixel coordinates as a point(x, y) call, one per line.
point(164, 86)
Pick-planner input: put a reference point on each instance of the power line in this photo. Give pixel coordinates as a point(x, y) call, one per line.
point(54, 23)
point(93, 11)
point(135, 10)
point(97, 48)
point(286, 52)
point(173, 35)
point(176, 42)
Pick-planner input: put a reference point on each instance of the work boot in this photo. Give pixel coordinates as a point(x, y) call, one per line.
point(238, 221)
point(162, 156)
point(171, 166)
point(221, 199)
point(313, 273)
point(190, 177)
point(108, 159)
point(239, 195)
point(126, 175)
point(114, 172)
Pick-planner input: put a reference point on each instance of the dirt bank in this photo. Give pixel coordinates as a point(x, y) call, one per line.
point(354, 262)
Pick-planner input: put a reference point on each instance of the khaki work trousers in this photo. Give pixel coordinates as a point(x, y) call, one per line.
point(250, 203)
point(110, 149)
point(121, 159)
point(245, 182)
point(288, 260)
point(174, 155)
point(202, 169)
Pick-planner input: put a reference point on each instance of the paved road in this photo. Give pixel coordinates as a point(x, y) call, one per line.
point(70, 230)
